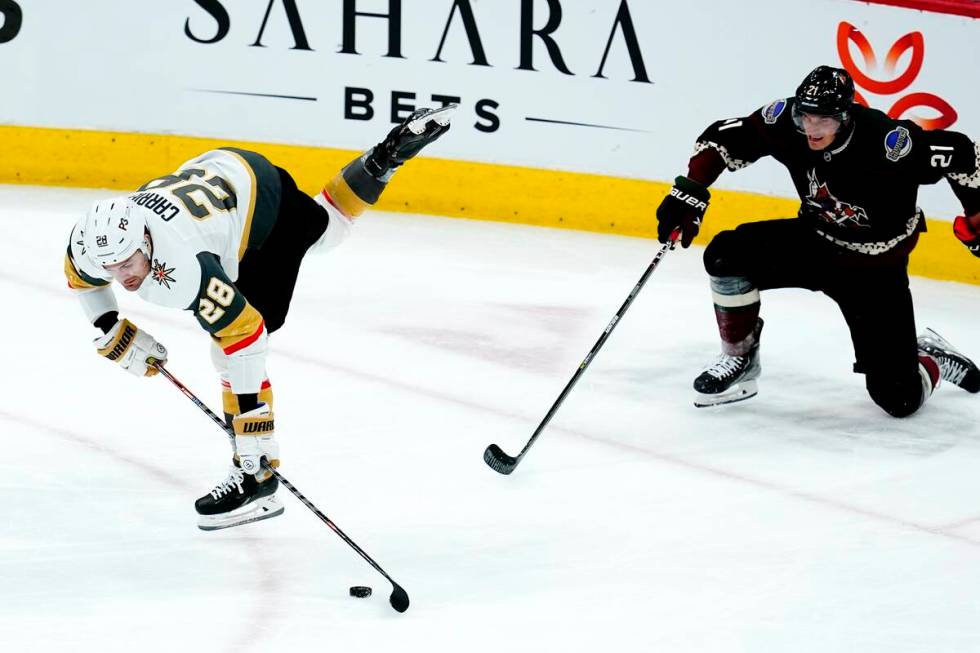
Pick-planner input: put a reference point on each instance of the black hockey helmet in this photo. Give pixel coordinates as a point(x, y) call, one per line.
point(826, 91)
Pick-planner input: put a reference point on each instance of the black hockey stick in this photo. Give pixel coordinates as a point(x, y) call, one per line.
point(500, 461)
point(398, 598)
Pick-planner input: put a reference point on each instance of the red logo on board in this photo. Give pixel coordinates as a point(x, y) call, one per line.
point(914, 43)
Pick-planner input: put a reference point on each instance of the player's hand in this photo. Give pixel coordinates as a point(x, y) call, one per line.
point(683, 208)
point(134, 350)
point(255, 439)
point(968, 231)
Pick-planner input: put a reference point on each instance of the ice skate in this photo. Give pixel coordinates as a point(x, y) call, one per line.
point(730, 378)
point(237, 500)
point(954, 367)
point(406, 140)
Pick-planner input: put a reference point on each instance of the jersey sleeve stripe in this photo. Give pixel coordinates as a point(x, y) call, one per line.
point(78, 280)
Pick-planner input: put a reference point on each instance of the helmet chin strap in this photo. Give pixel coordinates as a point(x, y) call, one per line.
point(844, 131)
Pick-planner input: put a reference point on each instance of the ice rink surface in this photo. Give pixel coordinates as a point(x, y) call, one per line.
point(803, 520)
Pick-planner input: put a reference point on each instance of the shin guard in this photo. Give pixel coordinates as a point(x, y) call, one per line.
point(737, 310)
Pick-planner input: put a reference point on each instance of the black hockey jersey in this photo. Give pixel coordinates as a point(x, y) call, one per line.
point(859, 193)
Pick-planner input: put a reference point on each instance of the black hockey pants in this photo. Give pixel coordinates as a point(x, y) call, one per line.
point(873, 296)
point(267, 276)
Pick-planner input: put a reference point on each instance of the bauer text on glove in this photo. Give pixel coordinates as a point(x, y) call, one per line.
point(683, 208)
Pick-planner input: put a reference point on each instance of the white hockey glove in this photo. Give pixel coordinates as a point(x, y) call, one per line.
point(255, 439)
point(134, 350)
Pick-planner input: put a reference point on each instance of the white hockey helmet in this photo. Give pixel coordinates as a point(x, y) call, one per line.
point(114, 230)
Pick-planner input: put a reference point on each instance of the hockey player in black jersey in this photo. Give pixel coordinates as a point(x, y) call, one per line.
point(857, 173)
point(224, 237)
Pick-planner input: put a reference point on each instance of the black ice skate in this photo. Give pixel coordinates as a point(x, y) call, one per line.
point(407, 139)
point(239, 499)
point(954, 367)
point(730, 378)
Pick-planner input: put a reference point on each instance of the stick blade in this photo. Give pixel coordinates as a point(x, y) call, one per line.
point(398, 598)
point(499, 461)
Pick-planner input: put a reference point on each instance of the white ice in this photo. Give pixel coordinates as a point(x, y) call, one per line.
point(804, 520)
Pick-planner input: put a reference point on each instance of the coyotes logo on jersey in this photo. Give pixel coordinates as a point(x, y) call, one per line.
point(830, 209)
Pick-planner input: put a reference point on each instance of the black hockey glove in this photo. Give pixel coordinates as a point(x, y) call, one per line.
point(683, 208)
point(967, 234)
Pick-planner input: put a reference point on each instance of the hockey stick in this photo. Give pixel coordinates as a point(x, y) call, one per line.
point(398, 598)
point(500, 461)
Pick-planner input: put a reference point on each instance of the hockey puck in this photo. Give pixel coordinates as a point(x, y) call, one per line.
point(360, 591)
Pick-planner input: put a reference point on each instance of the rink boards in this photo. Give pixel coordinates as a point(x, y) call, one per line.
point(485, 191)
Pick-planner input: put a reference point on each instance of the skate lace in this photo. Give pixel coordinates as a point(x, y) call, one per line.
point(952, 370)
point(726, 366)
point(234, 481)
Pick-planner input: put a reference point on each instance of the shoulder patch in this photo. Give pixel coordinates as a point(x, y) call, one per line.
point(898, 143)
point(772, 111)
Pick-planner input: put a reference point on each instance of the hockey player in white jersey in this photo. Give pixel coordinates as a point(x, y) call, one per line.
point(224, 237)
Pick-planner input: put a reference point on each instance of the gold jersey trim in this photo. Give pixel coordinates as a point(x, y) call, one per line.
point(263, 201)
point(78, 280)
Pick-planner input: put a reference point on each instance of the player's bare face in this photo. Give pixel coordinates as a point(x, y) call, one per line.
point(131, 272)
point(820, 130)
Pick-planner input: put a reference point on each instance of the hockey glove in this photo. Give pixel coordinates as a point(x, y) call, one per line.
point(407, 139)
point(968, 235)
point(255, 439)
point(683, 208)
point(134, 350)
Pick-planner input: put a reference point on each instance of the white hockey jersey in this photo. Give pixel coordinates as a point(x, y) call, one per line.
point(201, 219)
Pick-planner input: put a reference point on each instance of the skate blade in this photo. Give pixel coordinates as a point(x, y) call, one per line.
point(938, 339)
point(440, 116)
point(265, 508)
point(740, 392)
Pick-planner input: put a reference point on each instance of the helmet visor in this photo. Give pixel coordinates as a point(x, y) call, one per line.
point(816, 125)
